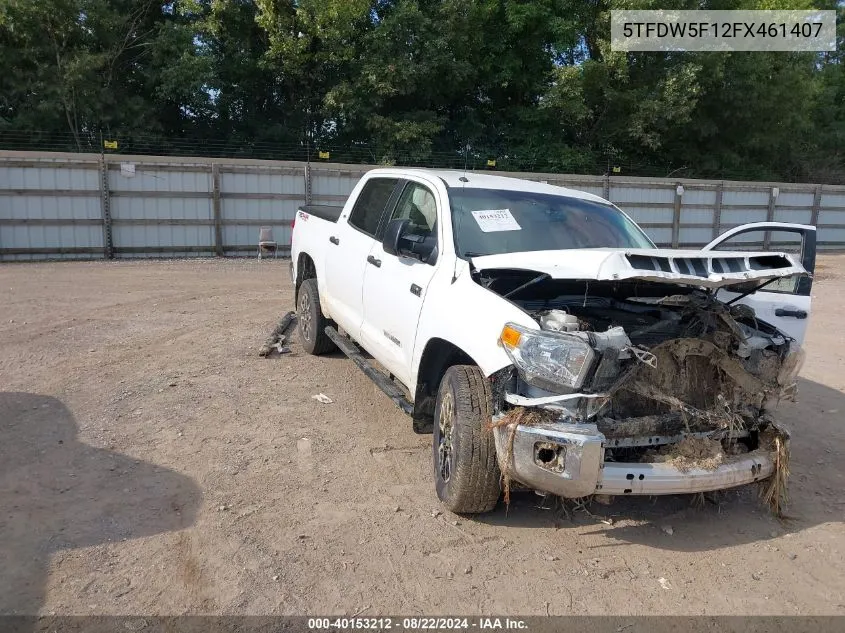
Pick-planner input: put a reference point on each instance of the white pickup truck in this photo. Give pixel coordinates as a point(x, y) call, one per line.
point(546, 341)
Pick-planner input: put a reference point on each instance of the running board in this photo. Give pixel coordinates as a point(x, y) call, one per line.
point(348, 347)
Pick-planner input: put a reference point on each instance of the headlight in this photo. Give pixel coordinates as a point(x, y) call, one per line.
point(549, 360)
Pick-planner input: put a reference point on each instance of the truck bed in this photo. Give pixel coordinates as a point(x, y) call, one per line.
point(322, 211)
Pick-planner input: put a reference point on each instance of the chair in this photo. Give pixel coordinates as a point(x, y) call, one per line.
point(266, 241)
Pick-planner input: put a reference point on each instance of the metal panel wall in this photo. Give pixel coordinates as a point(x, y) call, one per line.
point(831, 218)
point(56, 205)
point(794, 206)
point(256, 198)
point(157, 211)
point(649, 206)
point(50, 208)
point(333, 186)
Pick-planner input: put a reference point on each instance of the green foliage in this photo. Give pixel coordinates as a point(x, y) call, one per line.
point(532, 83)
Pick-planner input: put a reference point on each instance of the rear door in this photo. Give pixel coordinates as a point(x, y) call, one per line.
point(395, 286)
point(784, 303)
point(349, 244)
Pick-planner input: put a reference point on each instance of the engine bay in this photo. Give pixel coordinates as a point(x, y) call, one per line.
point(672, 367)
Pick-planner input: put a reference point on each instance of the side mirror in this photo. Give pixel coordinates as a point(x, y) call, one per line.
point(399, 240)
point(392, 234)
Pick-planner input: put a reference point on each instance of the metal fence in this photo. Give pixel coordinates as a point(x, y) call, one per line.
point(77, 206)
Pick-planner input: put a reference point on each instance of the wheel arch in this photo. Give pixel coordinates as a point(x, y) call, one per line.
point(305, 269)
point(437, 356)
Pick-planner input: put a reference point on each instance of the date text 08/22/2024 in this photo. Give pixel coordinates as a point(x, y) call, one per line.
point(417, 623)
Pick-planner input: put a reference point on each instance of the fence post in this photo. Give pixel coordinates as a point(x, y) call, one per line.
point(817, 203)
point(676, 216)
point(606, 187)
point(717, 211)
point(307, 183)
point(770, 216)
point(217, 210)
point(105, 208)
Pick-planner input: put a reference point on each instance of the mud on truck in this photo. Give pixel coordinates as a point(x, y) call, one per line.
point(547, 343)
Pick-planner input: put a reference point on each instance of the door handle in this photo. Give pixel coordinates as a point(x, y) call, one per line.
point(334, 240)
point(415, 290)
point(375, 262)
point(798, 314)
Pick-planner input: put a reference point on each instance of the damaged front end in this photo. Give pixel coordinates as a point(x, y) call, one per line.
point(637, 388)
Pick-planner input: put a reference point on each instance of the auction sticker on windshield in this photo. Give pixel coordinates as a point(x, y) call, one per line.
point(492, 220)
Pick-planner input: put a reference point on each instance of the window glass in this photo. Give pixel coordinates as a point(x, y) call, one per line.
point(780, 241)
point(370, 205)
point(417, 204)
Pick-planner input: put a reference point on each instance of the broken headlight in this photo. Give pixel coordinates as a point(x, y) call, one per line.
point(549, 360)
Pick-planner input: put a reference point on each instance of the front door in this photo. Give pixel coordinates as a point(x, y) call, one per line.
point(395, 286)
point(784, 303)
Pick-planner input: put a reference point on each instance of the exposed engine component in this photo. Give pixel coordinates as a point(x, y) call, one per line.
point(558, 321)
point(652, 369)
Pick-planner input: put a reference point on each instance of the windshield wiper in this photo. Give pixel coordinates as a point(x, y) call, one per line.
point(474, 254)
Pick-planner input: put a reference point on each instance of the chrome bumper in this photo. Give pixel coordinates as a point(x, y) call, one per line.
point(568, 460)
point(663, 479)
point(579, 463)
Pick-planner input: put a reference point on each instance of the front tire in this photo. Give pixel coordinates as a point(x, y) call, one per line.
point(310, 320)
point(466, 472)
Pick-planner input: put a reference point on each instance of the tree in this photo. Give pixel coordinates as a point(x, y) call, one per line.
point(73, 65)
point(533, 84)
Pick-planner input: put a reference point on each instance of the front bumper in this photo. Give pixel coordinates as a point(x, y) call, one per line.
point(568, 460)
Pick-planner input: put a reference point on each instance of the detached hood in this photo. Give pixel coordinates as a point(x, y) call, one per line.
point(709, 269)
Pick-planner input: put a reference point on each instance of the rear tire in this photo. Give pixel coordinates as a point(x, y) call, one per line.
point(310, 320)
point(466, 471)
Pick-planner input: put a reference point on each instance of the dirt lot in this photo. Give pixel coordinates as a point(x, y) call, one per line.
point(151, 463)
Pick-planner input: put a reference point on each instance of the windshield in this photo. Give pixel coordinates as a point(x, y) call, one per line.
point(495, 221)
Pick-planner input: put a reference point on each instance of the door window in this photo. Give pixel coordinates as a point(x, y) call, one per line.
point(767, 240)
point(417, 204)
point(370, 205)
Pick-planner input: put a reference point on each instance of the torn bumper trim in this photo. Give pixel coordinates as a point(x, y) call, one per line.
point(568, 460)
point(524, 401)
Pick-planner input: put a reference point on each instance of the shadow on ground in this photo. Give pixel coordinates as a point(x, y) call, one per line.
point(816, 491)
point(57, 493)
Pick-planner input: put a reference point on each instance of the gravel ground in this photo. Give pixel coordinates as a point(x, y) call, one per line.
point(152, 463)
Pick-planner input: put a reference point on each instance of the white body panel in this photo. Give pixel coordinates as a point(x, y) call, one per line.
point(769, 305)
point(310, 235)
point(788, 312)
point(391, 311)
point(468, 316)
point(345, 266)
point(612, 264)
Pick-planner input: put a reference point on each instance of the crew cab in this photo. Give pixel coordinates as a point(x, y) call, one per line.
point(547, 342)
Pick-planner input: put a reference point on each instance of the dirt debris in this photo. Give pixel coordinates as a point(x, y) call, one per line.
point(774, 490)
point(527, 417)
point(697, 379)
point(688, 454)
